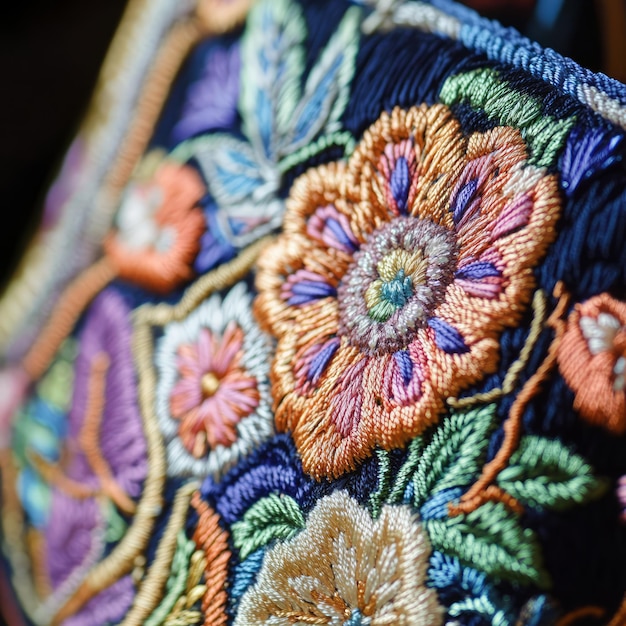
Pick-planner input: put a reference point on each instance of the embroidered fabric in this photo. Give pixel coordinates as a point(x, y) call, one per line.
point(348, 343)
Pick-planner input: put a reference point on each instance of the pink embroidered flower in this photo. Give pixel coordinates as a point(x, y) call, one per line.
point(214, 392)
point(592, 360)
point(393, 279)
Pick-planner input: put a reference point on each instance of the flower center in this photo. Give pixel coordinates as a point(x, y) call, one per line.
point(395, 282)
point(210, 383)
point(357, 619)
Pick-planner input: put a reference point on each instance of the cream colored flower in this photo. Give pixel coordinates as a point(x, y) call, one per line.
point(346, 568)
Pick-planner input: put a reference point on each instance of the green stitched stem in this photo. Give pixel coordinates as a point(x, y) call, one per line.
point(177, 581)
point(338, 139)
point(384, 483)
point(484, 89)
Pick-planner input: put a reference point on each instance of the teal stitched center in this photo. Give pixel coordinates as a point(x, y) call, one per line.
point(393, 295)
point(398, 290)
point(357, 619)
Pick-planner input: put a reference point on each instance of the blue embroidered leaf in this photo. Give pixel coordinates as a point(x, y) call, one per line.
point(243, 222)
point(272, 67)
point(230, 167)
point(544, 473)
point(327, 87)
point(272, 517)
point(455, 454)
point(491, 539)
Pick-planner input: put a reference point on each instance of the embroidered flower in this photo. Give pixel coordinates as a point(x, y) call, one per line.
point(158, 229)
point(213, 394)
point(592, 360)
point(345, 568)
point(393, 279)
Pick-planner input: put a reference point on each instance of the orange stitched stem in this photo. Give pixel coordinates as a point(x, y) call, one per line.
point(90, 433)
point(620, 616)
point(492, 493)
point(512, 426)
point(70, 306)
point(53, 474)
point(586, 611)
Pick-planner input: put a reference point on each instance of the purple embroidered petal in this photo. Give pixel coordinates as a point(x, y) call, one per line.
point(478, 271)
point(333, 229)
point(405, 365)
point(321, 360)
point(464, 200)
point(400, 184)
point(448, 338)
point(340, 235)
point(305, 286)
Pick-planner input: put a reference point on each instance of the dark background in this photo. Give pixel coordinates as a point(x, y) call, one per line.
point(50, 53)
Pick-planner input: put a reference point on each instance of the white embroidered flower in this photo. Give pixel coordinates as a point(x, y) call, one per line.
point(213, 397)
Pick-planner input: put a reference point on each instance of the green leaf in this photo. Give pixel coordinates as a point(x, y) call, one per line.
point(272, 65)
point(492, 540)
point(484, 89)
point(273, 517)
point(327, 88)
point(455, 453)
point(115, 524)
point(544, 473)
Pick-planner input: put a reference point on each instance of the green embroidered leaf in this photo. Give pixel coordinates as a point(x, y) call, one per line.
point(272, 65)
point(455, 453)
point(491, 539)
point(484, 89)
point(327, 90)
point(273, 517)
point(544, 473)
point(116, 525)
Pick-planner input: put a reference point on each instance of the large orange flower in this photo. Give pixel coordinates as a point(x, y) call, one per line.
point(394, 277)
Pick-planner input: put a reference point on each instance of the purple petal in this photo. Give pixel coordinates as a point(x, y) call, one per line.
point(448, 338)
point(478, 271)
point(340, 235)
point(405, 365)
point(463, 200)
point(321, 360)
point(400, 183)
